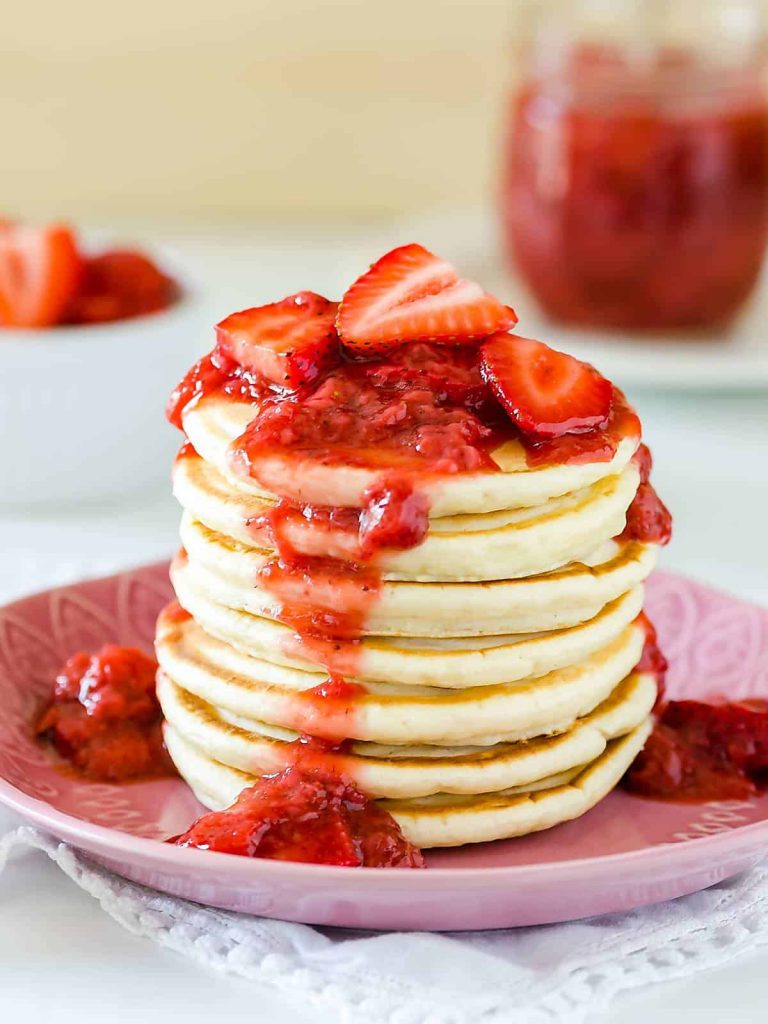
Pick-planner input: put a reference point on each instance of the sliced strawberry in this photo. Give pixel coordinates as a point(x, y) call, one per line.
point(545, 392)
point(290, 342)
point(412, 295)
point(40, 270)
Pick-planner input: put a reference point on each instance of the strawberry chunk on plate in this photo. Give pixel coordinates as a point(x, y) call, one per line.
point(290, 342)
point(412, 295)
point(40, 270)
point(545, 392)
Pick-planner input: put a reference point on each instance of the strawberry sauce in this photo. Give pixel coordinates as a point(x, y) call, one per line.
point(598, 445)
point(104, 716)
point(652, 661)
point(329, 707)
point(327, 601)
point(700, 751)
point(423, 408)
point(648, 518)
point(308, 816)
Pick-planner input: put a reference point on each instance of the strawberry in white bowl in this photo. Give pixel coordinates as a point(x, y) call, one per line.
point(89, 343)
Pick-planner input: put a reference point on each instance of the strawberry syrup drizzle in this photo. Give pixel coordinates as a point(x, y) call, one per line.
point(648, 518)
point(598, 445)
point(173, 612)
point(652, 660)
point(326, 601)
point(187, 451)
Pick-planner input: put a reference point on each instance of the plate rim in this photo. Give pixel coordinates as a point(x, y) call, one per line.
point(40, 812)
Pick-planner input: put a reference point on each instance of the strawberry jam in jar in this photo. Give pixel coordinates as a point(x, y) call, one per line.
point(635, 177)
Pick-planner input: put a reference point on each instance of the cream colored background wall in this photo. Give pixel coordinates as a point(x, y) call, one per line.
point(216, 109)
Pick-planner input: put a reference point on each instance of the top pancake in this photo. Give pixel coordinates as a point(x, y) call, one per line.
point(215, 422)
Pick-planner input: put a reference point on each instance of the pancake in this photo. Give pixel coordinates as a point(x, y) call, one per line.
point(495, 545)
point(443, 662)
point(213, 423)
point(479, 684)
point(228, 572)
point(446, 819)
point(411, 771)
point(263, 691)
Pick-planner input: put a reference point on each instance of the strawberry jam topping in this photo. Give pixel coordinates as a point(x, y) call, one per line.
point(104, 716)
point(187, 451)
point(326, 601)
point(648, 519)
point(308, 816)
point(214, 373)
point(700, 751)
point(393, 516)
point(652, 661)
point(173, 612)
point(329, 709)
point(320, 596)
point(597, 445)
point(423, 408)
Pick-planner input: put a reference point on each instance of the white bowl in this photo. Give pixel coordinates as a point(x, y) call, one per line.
point(81, 408)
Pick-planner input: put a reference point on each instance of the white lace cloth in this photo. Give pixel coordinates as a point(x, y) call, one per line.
point(555, 973)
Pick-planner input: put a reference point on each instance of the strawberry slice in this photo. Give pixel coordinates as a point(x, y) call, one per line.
point(545, 392)
point(290, 342)
point(40, 270)
point(412, 295)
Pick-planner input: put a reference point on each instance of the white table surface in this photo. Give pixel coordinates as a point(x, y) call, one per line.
point(63, 960)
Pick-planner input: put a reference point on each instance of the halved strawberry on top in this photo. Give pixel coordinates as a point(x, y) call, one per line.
point(412, 295)
point(545, 392)
point(40, 271)
point(290, 342)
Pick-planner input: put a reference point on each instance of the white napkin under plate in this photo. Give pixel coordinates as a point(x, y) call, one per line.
point(544, 975)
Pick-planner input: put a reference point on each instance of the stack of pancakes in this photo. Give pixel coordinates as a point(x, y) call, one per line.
point(495, 687)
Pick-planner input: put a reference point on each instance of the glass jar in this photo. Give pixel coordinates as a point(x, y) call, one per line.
point(635, 181)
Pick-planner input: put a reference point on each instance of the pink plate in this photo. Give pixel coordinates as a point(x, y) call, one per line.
point(624, 853)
